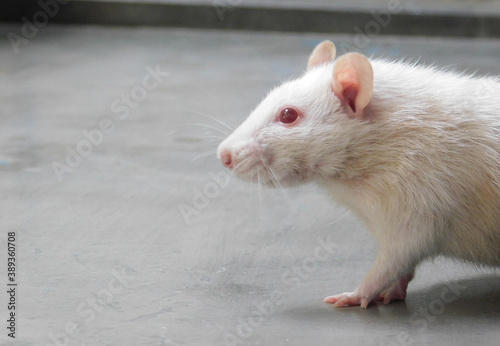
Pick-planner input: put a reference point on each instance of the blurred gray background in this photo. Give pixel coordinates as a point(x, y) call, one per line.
point(128, 229)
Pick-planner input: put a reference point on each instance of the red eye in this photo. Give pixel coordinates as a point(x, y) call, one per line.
point(288, 116)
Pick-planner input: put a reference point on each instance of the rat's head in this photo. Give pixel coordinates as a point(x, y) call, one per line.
point(302, 129)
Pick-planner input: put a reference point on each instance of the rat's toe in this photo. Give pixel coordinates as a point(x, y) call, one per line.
point(347, 299)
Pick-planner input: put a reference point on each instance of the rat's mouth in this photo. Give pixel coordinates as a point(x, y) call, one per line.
point(254, 170)
point(257, 164)
point(263, 173)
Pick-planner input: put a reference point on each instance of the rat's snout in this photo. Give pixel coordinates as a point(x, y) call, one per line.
point(226, 158)
point(238, 156)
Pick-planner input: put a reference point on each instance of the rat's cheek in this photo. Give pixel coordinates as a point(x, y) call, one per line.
point(267, 155)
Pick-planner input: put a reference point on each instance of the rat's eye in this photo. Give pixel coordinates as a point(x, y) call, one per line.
point(288, 116)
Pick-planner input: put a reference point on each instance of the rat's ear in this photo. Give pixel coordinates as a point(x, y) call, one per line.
point(323, 53)
point(353, 82)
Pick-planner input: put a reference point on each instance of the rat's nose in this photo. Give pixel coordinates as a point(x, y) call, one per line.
point(226, 158)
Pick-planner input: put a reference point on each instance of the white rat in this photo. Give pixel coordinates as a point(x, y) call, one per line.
point(413, 151)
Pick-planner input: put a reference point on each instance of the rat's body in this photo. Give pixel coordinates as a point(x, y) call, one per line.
point(414, 152)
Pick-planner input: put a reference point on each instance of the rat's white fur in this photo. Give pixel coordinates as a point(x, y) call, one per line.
point(421, 167)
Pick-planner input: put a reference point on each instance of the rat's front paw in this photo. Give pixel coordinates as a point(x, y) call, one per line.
point(348, 299)
point(365, 294)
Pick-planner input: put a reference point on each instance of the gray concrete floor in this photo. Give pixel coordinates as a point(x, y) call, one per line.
point(105, 255)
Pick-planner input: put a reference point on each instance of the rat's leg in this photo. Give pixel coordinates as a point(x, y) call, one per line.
point(388, 279)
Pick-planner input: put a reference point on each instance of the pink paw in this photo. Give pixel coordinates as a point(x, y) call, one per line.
point(348, 299)
point(397, 291)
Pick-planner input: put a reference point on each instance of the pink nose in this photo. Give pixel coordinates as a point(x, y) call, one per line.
point(226, 158)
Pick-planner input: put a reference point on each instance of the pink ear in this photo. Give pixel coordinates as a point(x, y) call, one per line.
point(323, 53)
point(353, 82)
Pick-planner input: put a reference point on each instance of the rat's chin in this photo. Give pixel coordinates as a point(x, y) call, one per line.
point(289, 180)
point(271, 178)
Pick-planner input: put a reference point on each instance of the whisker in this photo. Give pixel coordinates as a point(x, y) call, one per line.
point(340, 218)
point(214, 137)
point(212, 152)
point(207, 126)
point(172, 132)
point(272, 174)
point(213, 140)
point(278, 184)
point(210, 117)
point(213, 99)
point(259, 192)
point(239, 164)
point(251, 180)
